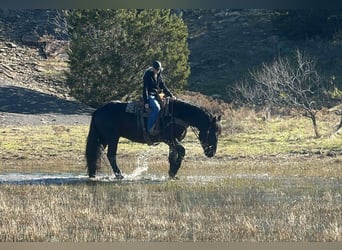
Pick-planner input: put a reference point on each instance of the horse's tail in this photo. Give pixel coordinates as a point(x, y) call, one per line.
point(93, 148)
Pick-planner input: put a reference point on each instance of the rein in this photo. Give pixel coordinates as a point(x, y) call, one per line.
point(196, 132)
point(185, 124)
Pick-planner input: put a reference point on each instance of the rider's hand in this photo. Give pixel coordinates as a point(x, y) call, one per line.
point(147, 106)
point(173, 98)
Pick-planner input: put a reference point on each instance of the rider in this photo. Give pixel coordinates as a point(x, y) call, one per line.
point(153, 86)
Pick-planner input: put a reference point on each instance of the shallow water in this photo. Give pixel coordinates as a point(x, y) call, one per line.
point(139, 175)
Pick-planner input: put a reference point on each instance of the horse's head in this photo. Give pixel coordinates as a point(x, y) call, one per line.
point(209, 137)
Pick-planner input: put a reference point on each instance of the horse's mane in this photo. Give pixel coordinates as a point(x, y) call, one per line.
point(195, 106)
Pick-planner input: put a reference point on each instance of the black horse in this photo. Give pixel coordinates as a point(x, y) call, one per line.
point(112, 121)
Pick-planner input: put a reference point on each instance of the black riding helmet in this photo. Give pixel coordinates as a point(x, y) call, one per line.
point(157, 65)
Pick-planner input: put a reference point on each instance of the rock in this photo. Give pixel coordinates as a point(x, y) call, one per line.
point(7, 67)
point(10, 45)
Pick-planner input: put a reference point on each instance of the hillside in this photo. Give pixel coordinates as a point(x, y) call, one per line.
point(225, 45)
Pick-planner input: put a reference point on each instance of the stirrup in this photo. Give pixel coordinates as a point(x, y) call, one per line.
point(153, 132)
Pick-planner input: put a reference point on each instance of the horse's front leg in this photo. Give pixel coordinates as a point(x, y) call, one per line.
point(111, 154)
point(176, 156)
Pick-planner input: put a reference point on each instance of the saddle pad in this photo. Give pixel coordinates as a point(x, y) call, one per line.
point(131, 107)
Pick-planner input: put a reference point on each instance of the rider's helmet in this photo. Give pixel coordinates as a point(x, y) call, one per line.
point(157, 65)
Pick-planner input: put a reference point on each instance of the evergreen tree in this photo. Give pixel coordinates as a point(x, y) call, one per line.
point(111, 49)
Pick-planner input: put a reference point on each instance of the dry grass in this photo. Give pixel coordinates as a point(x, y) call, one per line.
point(297, 198)
point(169, 211)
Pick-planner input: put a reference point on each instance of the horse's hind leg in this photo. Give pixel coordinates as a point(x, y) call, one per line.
point(111, 154)
point(176, 156)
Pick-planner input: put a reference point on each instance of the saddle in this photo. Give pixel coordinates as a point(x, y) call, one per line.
point(137, 108)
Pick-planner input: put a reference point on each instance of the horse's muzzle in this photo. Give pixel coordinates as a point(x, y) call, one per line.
point(209, 151)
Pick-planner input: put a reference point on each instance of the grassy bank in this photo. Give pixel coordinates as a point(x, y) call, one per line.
point(249, 145)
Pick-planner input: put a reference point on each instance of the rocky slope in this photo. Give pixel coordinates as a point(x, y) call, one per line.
point(31, 74)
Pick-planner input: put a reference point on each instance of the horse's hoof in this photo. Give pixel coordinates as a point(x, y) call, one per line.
point(92, 178)
point(119, 176)
point(173, 178)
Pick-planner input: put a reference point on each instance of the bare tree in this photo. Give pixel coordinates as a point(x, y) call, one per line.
point(289, 83)
point(257, 95)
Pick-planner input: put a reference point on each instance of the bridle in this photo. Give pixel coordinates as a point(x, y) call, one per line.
point(204, 143)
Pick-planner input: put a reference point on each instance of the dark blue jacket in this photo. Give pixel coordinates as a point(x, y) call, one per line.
point(154, 86)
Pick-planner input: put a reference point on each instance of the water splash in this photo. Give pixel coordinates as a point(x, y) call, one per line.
point(142, 164)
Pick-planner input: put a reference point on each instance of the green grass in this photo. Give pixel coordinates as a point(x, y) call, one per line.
point(42, 148)
point(280, 136)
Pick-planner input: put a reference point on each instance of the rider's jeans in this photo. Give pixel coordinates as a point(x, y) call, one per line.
point(155, 108)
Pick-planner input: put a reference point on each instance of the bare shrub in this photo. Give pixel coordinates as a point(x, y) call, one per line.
point(289, 83)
